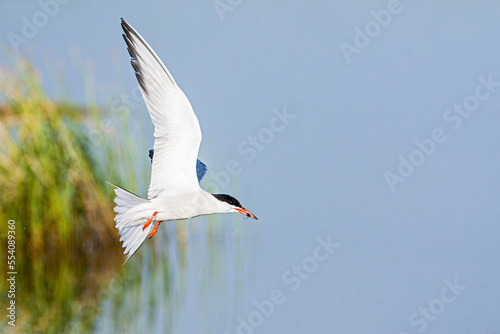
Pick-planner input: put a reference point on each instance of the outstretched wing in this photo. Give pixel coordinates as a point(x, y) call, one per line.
point(201, 168)
point(177, 130)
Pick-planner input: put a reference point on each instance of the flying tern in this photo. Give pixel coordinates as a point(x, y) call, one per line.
point(174, 192)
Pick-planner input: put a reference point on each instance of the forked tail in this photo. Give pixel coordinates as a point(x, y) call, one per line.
point(132, 213)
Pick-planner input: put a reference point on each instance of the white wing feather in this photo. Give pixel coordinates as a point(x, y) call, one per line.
point(177, 130)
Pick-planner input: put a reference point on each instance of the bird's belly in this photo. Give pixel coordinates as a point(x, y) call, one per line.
point(176, 210)
point(177, 215)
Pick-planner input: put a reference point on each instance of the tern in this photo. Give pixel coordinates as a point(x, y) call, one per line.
point(174, 192)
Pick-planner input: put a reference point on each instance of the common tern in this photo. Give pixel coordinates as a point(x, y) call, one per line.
point(174, 192)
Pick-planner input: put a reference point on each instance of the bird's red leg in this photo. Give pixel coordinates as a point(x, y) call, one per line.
point(154, 230)
point(149, 221)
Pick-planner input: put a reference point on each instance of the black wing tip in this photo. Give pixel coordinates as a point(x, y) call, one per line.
point(128, 32)
point(139, 75)
point(125, 26)
point(133, 54)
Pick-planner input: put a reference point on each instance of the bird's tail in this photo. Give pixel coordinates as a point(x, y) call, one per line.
point(132, 213)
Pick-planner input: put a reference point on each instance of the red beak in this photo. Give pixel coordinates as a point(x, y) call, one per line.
point(246, 213)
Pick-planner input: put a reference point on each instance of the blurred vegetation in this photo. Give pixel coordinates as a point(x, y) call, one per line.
point(53, 187)
point(54, 160)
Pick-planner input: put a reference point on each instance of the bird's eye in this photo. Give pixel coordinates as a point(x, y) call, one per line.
point(248, 215)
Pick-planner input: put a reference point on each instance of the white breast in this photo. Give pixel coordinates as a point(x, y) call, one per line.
point(185, 205)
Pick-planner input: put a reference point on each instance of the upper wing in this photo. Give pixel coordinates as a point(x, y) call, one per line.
point(177, 130)
point(201, 168)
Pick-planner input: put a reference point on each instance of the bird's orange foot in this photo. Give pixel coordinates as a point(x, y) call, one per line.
point(155, 229)
point(149, 221)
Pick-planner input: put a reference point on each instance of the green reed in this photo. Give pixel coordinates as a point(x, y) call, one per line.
point(52, 184)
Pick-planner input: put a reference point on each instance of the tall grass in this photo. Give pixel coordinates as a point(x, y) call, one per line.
point(54, 161)
point(53, 187)
point(47, 173)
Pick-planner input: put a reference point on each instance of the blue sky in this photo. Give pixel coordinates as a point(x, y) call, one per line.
point(354, 118)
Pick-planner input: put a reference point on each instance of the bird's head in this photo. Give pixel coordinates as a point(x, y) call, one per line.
point(231, 204)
